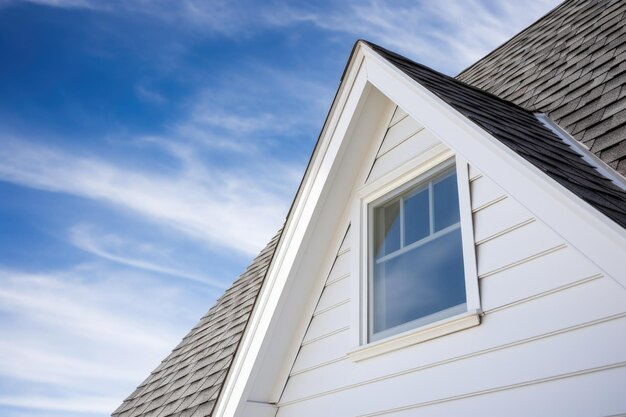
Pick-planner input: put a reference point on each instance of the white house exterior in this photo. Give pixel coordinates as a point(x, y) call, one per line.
point(537, 325)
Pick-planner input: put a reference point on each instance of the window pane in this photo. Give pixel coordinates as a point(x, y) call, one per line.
point(416, 217)
point(446, 203)
point(387, 234)
point(420, 282)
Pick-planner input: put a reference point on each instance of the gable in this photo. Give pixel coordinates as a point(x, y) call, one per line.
point(366, 138)
point(526, 271)
point(571, 65)
point(348, 147)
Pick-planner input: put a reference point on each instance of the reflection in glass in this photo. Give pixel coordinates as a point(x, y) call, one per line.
point(419, 282)
point(446, 202)
point(387, 229)
point(418, 274)
point(416, 217)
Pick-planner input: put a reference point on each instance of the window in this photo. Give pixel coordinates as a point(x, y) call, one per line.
point(416, 267)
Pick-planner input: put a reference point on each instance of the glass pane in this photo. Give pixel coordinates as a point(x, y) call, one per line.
point(420, 282)
point(416, 217)
point(446, 203)
point(387, 233)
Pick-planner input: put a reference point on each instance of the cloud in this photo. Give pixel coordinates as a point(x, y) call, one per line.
point(149, 95)
point(236, 208)
point(447, 35)
point(88, 404)
point(66, 4)
point(229, 18)
point(80, 339)
point(105, 245)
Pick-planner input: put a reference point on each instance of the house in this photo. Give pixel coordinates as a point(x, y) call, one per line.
point(457, 246)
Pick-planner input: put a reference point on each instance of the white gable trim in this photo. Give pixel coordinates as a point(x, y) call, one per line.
point(596, 236)
point(352, 89)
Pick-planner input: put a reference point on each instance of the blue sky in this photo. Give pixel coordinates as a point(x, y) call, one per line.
point(149, 149)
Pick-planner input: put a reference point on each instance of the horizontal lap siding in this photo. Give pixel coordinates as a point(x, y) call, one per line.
point(554, 328)
point(403, 141)
point(327, 338)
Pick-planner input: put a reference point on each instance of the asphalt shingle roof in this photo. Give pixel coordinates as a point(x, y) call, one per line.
point(571, 65)
point(520, 130)
point(188, 382)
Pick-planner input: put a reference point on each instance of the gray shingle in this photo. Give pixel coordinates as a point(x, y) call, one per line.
point(189, 380)
point(594, 44)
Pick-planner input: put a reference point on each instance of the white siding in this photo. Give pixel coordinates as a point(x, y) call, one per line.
point(404, 139)
point(550, 342)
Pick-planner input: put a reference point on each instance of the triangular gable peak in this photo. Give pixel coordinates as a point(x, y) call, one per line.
point(371, 89)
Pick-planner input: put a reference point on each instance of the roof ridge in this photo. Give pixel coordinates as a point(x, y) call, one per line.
point(514, 38)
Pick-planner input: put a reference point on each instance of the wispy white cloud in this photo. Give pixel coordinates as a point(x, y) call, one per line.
point(230, 18)
point(78, 340)
point(237, 208)
point(257, 101)
point(447, 35)
point(110, 246)
point(86, 404)
point(66, 4)
point(149, 95)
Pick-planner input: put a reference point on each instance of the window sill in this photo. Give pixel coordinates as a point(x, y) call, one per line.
point(412, 337)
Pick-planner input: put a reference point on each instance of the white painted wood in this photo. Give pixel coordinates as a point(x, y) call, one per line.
point(323, 351)
point(601, 395)
point(256, 409)
point(421, 334)
point(334, 294)
point(474, 173)
point(340, 270)
point(472, 293)
point(398, 115)
point(360, 108)
point(505, 329)
point(555, 270)
point(498, 218)
point(398, 133)
point(484, 192)
point(407, 150)
point(327, 323)
point(514, 246)
point(481, 374)
point(345, 245)
point(549, 398)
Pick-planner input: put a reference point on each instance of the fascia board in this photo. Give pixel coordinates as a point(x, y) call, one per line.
point(352, 88)
point(579, 224)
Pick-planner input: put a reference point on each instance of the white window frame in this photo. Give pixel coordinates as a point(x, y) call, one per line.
point(401, 179)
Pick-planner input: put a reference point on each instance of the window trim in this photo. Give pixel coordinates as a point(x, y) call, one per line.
point(423, 182)
point(398, 181)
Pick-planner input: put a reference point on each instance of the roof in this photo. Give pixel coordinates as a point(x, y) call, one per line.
point(518, 78)
point(571, 65)
point(520, 130)
point(188, 382)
